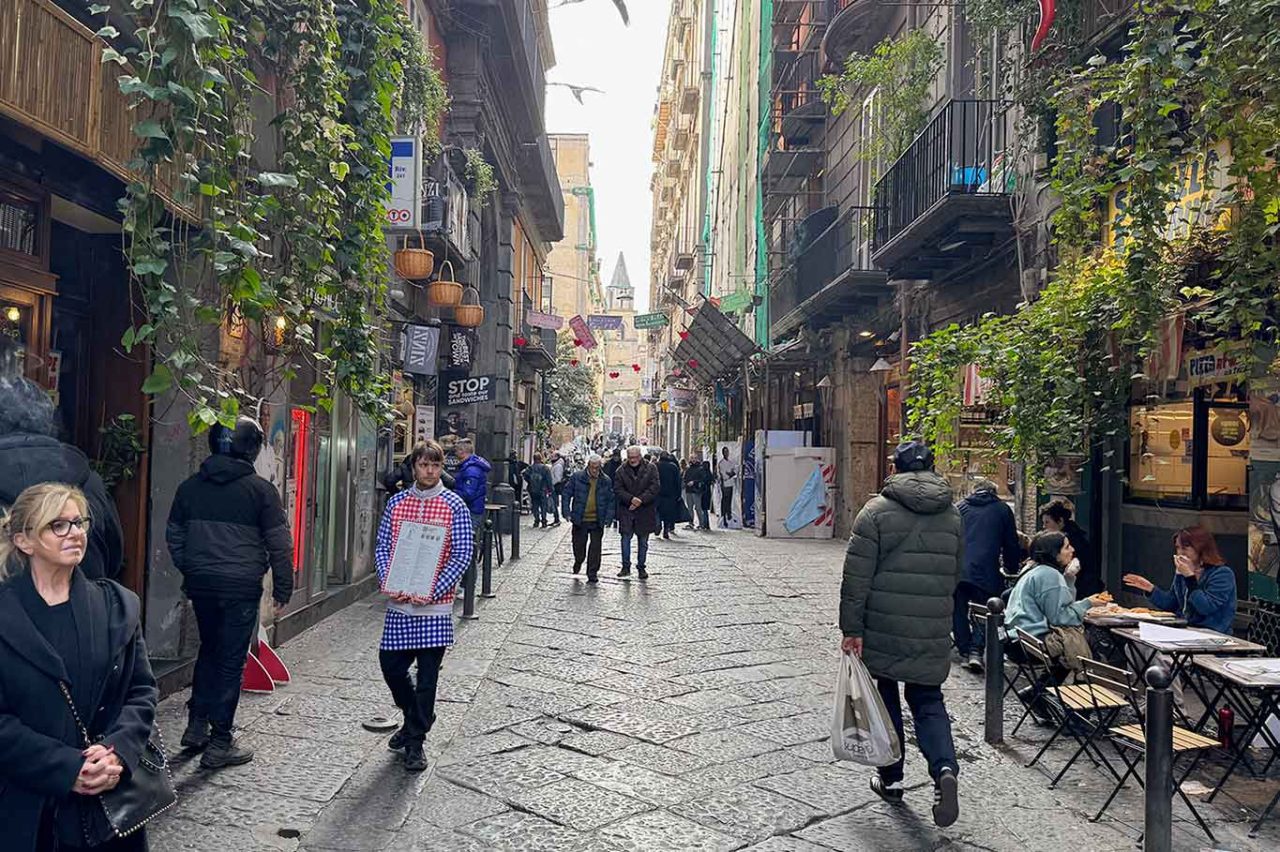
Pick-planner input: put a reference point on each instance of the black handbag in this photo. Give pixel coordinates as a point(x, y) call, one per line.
point(144, 793)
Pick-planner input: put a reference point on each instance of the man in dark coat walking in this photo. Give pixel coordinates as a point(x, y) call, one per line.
point(668, 494)
point(226, 529)
point(31, 454)
point(590, 506)
point(990, 539)
point(900, 576)
point(637, 486)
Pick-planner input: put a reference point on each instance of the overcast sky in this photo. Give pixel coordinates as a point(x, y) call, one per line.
point(593, 48)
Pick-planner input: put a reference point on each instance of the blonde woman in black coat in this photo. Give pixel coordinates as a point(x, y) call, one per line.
point(58, 626)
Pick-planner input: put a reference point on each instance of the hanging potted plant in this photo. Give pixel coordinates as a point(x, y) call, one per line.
point(413, 264)
point(444, 292)
point(469, 314)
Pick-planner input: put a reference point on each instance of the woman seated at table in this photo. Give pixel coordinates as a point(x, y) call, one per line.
point(1204, 589)
point(1043, 602)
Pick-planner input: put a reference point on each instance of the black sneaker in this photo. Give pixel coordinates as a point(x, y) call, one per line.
point(577, 567)
point(946, 802)
point(592, 578)
point(397, 741)
point(224, 752)
point(625, 572)
point(890, 792)
point(642, 574)
point(414, 759)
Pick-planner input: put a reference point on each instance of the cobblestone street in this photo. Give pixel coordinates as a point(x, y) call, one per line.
point(688, 712)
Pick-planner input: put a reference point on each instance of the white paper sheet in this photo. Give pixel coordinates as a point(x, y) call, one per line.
point(1162, 635)
point(417, 555)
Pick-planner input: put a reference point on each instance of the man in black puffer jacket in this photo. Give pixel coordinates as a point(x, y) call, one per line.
point(900, 575)
point(225, 529)
point(30, 455)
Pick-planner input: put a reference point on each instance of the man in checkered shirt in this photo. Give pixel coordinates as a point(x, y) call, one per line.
point(420, 627)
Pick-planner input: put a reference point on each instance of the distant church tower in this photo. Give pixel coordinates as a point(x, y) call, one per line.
point(619, 295)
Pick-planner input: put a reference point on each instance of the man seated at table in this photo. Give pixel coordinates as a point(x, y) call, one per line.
point(1204, 589)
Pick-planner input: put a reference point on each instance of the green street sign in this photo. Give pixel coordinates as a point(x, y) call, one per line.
point(646, 321)
point(735, 302)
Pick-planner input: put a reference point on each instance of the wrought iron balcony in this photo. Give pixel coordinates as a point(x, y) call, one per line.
point(856, 26)
point(830, 272)
point(946, 198)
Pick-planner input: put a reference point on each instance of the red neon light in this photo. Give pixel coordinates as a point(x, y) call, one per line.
point(301, 475)
point(1048, 11)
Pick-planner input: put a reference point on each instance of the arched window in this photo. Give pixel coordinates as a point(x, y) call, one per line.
point(617, 423)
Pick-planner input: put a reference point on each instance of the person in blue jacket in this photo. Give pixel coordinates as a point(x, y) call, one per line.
point(990, 540)
point(1204, 588)
point(471, 482)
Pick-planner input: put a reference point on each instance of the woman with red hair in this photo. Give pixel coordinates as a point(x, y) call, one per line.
point(1204, 589)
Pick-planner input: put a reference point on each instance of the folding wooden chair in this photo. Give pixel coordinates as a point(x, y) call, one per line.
point(1082, 711)
point(1133, 737)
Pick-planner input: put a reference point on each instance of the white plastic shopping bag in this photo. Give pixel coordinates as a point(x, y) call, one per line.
point(861, 729)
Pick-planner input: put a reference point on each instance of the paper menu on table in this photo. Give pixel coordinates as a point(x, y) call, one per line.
point(1162, 635)
point(417, 555)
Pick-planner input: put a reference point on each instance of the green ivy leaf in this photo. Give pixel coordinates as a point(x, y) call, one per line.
point(107, 32)
point(160, 380)
point(128, 339)
point(276, 179)
point(339, 170)
point(150, 266)
point(150, 129)
point(99, 8)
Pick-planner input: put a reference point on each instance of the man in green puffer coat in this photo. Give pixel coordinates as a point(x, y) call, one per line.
point(900, 574)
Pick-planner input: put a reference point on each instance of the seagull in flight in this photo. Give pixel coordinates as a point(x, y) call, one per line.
point(577, 90)
point(620, 4)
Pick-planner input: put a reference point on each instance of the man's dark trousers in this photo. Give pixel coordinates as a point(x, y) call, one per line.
point(726, 504)
point(586, 546)
point(226, 629)
point(933, 727)
point(558, 491)
point(417, 703)
point(967, 639)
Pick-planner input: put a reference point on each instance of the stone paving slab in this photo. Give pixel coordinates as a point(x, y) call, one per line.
point(687, 712)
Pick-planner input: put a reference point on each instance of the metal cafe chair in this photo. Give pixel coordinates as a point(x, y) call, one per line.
point(1080, 710)
point(1132, 737)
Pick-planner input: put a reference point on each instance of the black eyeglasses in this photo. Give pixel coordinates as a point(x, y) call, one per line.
point(62, 526)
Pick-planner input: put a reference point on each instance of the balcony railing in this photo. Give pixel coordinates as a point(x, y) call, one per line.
point(821, 258)
point(964, 150)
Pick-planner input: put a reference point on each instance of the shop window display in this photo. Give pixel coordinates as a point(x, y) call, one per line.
point(1192, 453)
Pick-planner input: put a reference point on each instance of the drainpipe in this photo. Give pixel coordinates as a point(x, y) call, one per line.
point(708, 117)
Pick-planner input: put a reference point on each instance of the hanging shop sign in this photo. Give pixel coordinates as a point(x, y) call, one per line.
point(1223, 363)
point(682, 399)
point(538, 319)
point(421, 348)
point(404, 180)
point(424, 421)
point(645, 321)
point(462, 348)
point(604, 322)
point(736, 302)
point(582, 333)
point(467, 390)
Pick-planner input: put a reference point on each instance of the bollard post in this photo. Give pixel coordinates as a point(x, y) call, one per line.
point(469, 592)
point(1158, 818)
point(515, 532)
point(993, 724)
point(486, 578)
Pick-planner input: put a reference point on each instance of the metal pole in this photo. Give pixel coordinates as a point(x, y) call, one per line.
point(486, 577)
point(515, 532)
point(994, 722)
point(1158, 819)
point(469, 592)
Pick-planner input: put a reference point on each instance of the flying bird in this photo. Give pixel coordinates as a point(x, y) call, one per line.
point(621, 6)
point(577, 90)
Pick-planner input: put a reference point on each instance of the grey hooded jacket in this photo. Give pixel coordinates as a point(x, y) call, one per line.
point(900, 572)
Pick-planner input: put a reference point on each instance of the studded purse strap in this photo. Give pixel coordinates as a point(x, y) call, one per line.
point(66, 693)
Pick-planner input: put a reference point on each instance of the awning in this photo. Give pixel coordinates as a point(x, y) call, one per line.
point(714, 346)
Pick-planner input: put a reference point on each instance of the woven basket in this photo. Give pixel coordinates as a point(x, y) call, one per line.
point(445, 292)
point(414, 264)
point(469, 314)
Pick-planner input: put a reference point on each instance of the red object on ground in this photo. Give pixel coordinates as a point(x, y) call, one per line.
point(1226, 726)
point(520, 341)
point(267, 657)
point(1048, 11)
point(256, 678)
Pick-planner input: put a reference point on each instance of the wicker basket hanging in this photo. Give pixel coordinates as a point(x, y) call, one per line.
point(444, 291)
point(414, 264)
point(469, 314)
